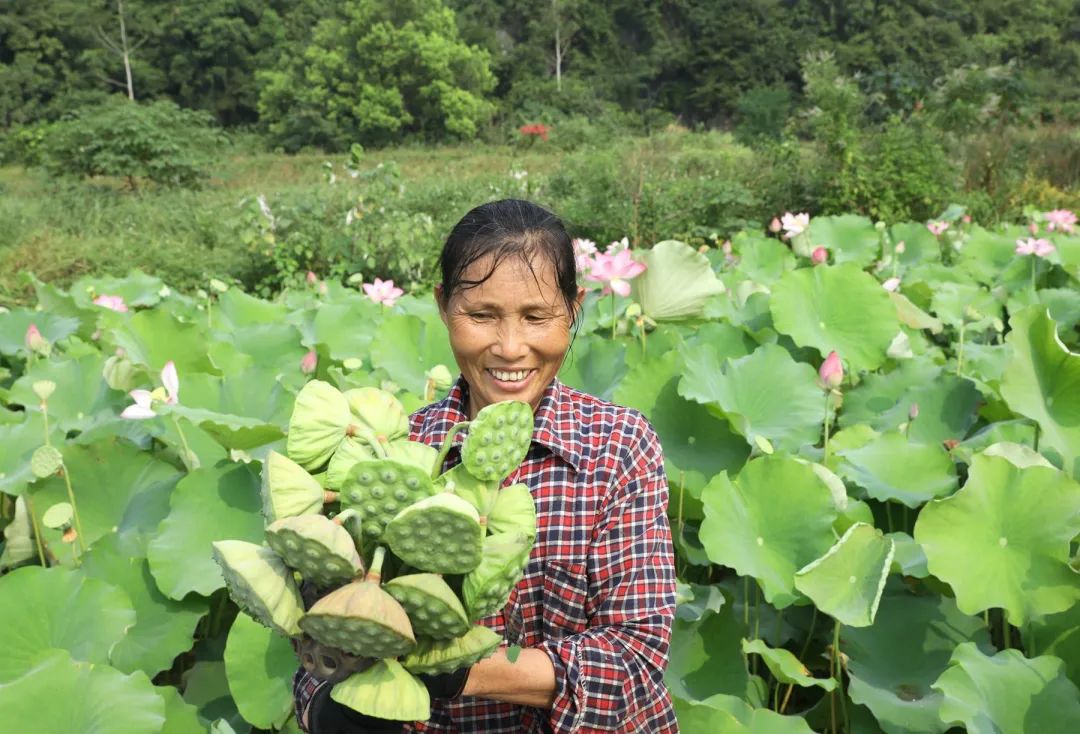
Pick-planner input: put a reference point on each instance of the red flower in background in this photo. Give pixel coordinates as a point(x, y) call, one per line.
point(539, 130)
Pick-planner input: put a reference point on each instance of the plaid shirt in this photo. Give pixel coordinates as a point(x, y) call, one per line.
point(598, 594)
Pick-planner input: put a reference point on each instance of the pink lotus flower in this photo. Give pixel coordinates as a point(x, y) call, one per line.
point(831, 373)
point(113, 303)
point(774, 226)
point(937, 228)
point(1036, 247)
point(309, 362)
point(794, 224)
point(1060, 219)
point(913, 411)
point(383, 292)
point(583, 251)
point(144, 399)
point(618, 246)
point(820, 255)
point(35, 342)
point(615, 271)
point(891, 285)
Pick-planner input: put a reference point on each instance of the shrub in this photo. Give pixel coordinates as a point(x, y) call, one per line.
point(763, 113)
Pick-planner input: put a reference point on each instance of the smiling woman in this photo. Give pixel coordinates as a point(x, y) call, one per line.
point(594, 609)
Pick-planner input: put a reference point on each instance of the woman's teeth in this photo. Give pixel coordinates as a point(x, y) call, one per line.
point(515, 376)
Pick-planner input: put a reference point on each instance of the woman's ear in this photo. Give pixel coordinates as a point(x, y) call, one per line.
point(579, 300)
point(439, 301)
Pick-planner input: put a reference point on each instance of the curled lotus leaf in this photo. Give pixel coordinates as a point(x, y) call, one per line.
point(46, 461)
point(514, 509)
point(361, 619)
point(261, 584)
point(378, 490)
point(433, 608)
point(318, 425)
point(446, 656)
point(499, 437)
point(846, 583)
point(378, 412)
point(487, 587)
point(385, 690)
point(319, 548)
point(288, 490)
point(440, 534)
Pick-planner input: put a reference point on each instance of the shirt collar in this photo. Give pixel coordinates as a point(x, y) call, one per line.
point(554, 426)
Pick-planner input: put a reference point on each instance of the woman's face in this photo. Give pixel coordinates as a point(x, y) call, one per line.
point(509, 334)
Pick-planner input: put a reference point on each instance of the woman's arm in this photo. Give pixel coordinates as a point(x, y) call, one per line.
point(528, 681)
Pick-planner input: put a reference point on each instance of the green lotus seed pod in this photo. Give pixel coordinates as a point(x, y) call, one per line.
point(58, 516)
point(486, 589)
point(460, 481)
point(499, 437)
point(119, 373)
point(379, 490)
point(319, 548)
point(260, 584)
point(46, 461)
point(379, 412)
point(351, 451)
point(513, 511)
point(385, 690)
point(440, 534)
point(445, 656)
point(288, 490)
point(318, 425)
point(431, 604)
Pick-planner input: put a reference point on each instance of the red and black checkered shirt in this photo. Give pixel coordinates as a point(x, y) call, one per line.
point(598, 594)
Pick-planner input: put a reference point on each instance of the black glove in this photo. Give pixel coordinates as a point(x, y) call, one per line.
point(446, 685)
point(317, 713)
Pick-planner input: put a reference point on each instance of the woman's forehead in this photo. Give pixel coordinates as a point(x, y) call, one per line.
point(514, 279)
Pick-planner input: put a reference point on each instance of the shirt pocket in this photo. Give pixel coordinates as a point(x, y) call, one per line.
point(563, 600)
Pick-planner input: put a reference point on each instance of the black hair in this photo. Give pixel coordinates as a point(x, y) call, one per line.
point(505, 228)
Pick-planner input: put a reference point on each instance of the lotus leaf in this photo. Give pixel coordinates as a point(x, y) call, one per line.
point(776, 517)
point(785, 667)
point(487, 587)
point(260, 665)
point(1007, 693)
point(236, 309)
point(20, 440)
point(890, 467)
point(762, 259)
point(18, 538)
point(80, 393)
point(446, 656)
point(335, 326)
point(378, 412)
point(407, 346)
point(180, 716)
point(433, 608)
point(850, 237)
point(379, 490)
point(920, 245)
point(260, 584)
point(440, 534)
point(499, 437)
point(514, 510)
point(729, 714)
point(1003, 539)
point(319, 423)
point(152, 337)
point(385, 690)
point(52, 326)
point(909, 559)
point(287, 490)
point(676, 283)
point(320, 549)
point(846, 583)
point(231, 431)
point(595, 366)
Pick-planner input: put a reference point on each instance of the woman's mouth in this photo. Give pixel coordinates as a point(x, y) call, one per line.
point(510, 379)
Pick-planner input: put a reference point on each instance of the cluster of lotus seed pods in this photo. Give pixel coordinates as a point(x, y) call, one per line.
point(407, 558)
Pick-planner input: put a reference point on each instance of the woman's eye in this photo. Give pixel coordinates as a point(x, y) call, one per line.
point(480, 316)
point(534, 319)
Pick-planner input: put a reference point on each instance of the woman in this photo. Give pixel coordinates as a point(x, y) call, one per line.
point(593, 612)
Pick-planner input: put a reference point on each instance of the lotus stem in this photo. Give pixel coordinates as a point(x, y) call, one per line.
point(344, 516)
point(612, 314)
point(809, 634)
point(188, 453)
point(960, 350)
point(374, 573)
point(74, 510)
point(746, 601)
point(828, 417)
point(375, 444)
point(839, 676)
point(37, 531)
point(1036, 436)
point(1034, 264)
point(787, 697)
point(445, 449)
point(1006, 630)
point(888, 516)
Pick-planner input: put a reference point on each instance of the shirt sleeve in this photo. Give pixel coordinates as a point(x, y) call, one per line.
point(608, 677)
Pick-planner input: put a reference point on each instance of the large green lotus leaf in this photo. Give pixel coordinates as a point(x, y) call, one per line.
point(1042, 382)
point(407, 346)
point(744, 307)
point(13, 326)
point(236, 309)
point(846, 583)
point(1062, 303)
point(947, 404)
point(163, 627)
point(80, 393)
point(596, 366)
point(676, 283)
point(890, 467)
point(838, 309)
point(772, 520)
point(221, 502)
point(20, 440)
point(180, 716)
point(785, 667)
point(59, 695)
point(57, 607)
point(260, 664)
point(136, 288)
point(1003, 539)
point(241, 412)
point(955, 303)
point(762, 259)
point(231, 431)
point(909, 559)
point(206, 687)
point(729, 714)
point(117, 488)
point(766, 394)
point(1057, 635)
point(275, 348)
point(893, 664)
point(849, 237)
point(705, 657)
point(1008, 693)
point(152, 338)
point(919, 244)
point(985, 254)
point(336, 327)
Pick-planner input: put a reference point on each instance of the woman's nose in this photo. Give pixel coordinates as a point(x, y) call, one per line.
point(509, 342)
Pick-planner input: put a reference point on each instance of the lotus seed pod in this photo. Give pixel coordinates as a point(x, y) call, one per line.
point(486, 589)
point(499, 437)
point(318, 424)
point(432, 605)
point(361, 618)
point(440, 534)
point(259, 582)
point(514, 510)
point(348, 454)
point(58, 516)
point(379, 412)
point(446, 656)
point(329, 663)
point(288, 490)
point(46, 461)
point(379, 490)
point(320, 549)
point(413, 453)
point(476, 492)
point(43, 389)
point(385, 690)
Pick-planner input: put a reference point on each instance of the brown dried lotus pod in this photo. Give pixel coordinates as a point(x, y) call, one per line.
point(319, 423)
point(361, 618)
point(433, 607)
point(260, 584)
point(288, 490)
point(440, 534)
point(379, 490)
point(385, 690)
point(319, 548)
point(378, 412)
point(329, 663)
point(446, 656)
point(513, 510)
point(486, 589)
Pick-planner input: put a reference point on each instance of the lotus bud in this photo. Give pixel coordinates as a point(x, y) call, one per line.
point(311, 278)
point(900, 247)
point(309, 362)
point(774, 225)
point(831, 373)
point(966, 219)
point(1033, 227)
point(950, 443)
point(323, 289)
point(726, 247)
point(119, 373)
point(35, 342)
point(879, 226)
point(440, 377)
point(819, 255)
point(913, 411)
point(44, 389)
point(972, 314)
point(891, 285)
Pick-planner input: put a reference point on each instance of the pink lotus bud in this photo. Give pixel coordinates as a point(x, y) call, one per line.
point(726, 247)
point(831, 372)
point(913, 411)
point(311, 278)
point(774, 225)
point(309, 362)
point(703, 249)
point(35, 342)
point(966, 219)
point(323, 290)
point(1033, 228)
point(819, 255)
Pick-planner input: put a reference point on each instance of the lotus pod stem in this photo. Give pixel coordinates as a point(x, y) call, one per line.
point(330, 496)
point(445, 449)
